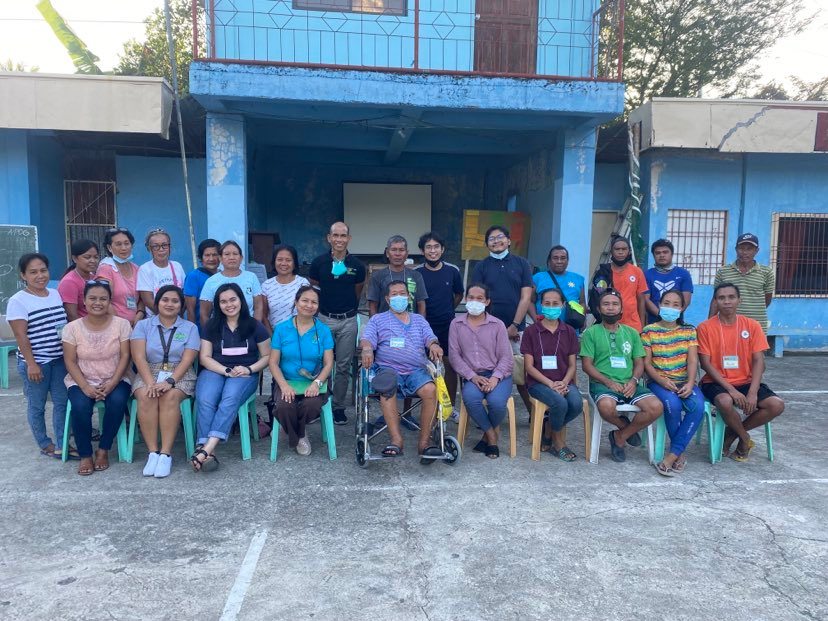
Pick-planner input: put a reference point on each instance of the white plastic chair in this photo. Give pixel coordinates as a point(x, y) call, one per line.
point(595, 445)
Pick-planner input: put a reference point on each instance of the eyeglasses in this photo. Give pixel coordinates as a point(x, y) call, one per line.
point(117, 230)
point(432, 247)
point(98, 281)
point(496, 238)
point(159, 246)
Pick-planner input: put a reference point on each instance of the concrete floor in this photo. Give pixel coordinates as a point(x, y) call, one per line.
point(504, 539)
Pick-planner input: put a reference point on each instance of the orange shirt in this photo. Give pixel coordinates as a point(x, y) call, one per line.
point(629, 282)
point(742, 339)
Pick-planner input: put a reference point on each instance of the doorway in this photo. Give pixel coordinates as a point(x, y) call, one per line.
point(506, 36)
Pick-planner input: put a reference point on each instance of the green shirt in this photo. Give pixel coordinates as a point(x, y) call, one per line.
point(612, 353)
point(753, 286)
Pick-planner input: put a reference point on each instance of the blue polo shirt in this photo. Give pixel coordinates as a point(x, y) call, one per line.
point(301, 352)
point(572, 285)
point(504, 278)
point(677, 279)
point(185, 337)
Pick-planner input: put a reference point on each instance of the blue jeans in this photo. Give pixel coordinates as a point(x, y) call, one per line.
point(561, 409)
point(36, 394)
point(681, 430)
point(115, 407)
point(495, 402)
point(218, 399)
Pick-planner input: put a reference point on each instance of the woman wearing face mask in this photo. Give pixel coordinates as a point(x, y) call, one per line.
point(549, 348)
point(85, 259)
point(231, 257)
point(671, 361)
point(160, 271)
point(279, 292)
point(301, 359)
point(122, 275)
point(481, 354)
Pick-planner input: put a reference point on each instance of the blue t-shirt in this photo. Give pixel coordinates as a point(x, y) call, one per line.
point(677, 279)
point(303, 352)
point(441, 285)
point(572, 285)
point(193, 284)
point(248, 282)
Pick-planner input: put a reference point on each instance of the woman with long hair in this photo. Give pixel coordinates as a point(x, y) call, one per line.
point(279, 292)
point(85, 260)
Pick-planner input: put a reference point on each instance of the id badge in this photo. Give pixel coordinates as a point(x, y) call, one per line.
point(730, 362)
point(131, 302)
point(234, 351)
point(398, 342)
point(618, 362)
point(163, 375)
point(549, 363)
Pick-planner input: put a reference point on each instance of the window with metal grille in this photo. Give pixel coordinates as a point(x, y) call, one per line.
point(90, 210)
point(799, 254)
point(699, 237)
point(382, 7)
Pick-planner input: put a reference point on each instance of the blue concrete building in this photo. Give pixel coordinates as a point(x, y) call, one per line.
point(714, 169)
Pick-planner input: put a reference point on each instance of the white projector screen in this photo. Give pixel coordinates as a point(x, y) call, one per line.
point(376, 211)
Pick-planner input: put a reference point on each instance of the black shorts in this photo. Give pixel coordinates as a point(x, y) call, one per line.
point(711, 390)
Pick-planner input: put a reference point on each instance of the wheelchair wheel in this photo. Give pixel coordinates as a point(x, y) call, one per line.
point(360, 454)
point(452, 446)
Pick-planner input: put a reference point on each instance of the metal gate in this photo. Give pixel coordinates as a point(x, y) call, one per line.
point(90, 211)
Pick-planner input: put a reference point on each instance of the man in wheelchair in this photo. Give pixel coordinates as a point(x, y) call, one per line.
point(397, 341)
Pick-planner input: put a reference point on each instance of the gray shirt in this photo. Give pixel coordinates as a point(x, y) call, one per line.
point(412, 279)
point(185, 337)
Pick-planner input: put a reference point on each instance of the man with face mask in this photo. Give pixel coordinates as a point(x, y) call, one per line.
point(398, 341)
point(629, 281)
point(612, 355)
point(396, 251)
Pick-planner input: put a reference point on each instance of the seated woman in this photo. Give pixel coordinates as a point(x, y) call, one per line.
point(96, 353)
point(671, 361)
point(279, 292)
point(480, 353)
point(549, 347)
point(234, 348)
point(301, 359)
point(164, 348)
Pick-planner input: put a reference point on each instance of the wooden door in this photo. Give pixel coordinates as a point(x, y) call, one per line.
point(506, 36)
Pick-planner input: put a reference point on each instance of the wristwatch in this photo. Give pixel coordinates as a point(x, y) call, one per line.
point(516, 324)
point(249, 370)
point(171, 381)
point(228, 370)
point(319, 382)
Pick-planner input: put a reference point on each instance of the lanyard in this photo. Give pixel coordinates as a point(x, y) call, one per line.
point(611, 345)
point(722, 338)
point(557, 343)
point(299, 337)
point(166, 346)
point(175, 280)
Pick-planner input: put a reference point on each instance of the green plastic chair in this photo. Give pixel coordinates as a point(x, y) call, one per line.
point(719, 433)
point(187, 423)
point(247, 424)
point(5, 350)
point(124, 451)
point(661, 435)
point(327, 424)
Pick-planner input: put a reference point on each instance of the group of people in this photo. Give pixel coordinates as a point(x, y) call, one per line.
point(114, 329)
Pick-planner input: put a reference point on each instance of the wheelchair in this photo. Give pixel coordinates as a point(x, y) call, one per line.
point(366, 430)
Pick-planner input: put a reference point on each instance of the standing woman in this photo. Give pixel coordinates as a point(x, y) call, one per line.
point(37, 317)
point(480, 352)
point(85, 259)
point(549, 349)
point(96, 352)
point(301, 359)
point(671, 361)
point(121, 273)
point(234, 349)
point(231, 257)
point(163, 348)
point(279, 292)
point(160, 270)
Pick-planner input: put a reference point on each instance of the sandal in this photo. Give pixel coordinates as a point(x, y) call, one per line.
point(663, 470)
point(49, 451)
point(566, 454)
point(198, 463)
point(392, 450)
point(679, 464)
point(86, 466)
point(738, 456)
point(492, 452)
point(210, 464)
point(102, 461)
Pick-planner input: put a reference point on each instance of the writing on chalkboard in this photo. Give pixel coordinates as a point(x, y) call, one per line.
point(15, 241)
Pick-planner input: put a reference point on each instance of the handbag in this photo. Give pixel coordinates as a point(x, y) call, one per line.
point(575, 315)
point(519, 371)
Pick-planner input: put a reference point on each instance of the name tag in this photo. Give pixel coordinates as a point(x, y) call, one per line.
point(730, 362)
point(398, 342)
point(234, 351)
point(163, 375)
point(618, 362)
point(131, 303)
point(549, 362)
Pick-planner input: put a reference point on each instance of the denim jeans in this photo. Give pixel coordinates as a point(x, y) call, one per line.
point(36, 394)
point(561, 409)
point(115, 407)
point(218, 399)
point(344, 332)
point(495, 402)
point(680, 429)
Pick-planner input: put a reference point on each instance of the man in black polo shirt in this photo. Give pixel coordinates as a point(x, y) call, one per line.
point(340, 278)
point(509, 279)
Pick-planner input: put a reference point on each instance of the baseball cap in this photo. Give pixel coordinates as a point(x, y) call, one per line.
point(747, 238)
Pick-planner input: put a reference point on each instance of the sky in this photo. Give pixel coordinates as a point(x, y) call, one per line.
point(104, 25)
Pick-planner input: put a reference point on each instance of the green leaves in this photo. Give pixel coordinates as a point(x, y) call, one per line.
point(84, 60)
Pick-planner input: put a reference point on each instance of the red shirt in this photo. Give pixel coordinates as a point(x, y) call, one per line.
point(629, 281)
point(538, 341)
point(742, 339)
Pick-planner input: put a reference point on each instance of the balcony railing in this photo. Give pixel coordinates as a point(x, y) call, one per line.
point(551, 39)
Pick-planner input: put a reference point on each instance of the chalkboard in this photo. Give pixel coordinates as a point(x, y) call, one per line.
point(15, 241)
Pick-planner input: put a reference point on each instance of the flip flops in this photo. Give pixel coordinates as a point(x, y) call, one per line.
point(566, 454)
point(392, 450)
point(492, 451)
point(663, 470)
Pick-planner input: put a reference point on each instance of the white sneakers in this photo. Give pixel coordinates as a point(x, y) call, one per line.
point(159, 465)
point(304, 447)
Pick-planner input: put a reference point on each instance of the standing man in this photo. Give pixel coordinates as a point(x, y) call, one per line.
point(445, 290)
point(557, 276)
point(340, 278)
point(208, 254)
point(396, 250)
point(629, 281)
point(756, 282)
point(664, 277)
point(509, 279)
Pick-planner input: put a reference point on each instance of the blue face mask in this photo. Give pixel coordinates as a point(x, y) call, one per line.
point(551, 312)
point(669, 314)
point(118, 259)
point(398, 303)
point(499, 255)
point(338, 268)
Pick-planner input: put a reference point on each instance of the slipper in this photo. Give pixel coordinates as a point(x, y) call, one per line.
point(73, 454)
point(663, 470)
point(49, 451)
point(392, 450)
point(100, 467)
point(492, 451)
point(480, 447)
point(737, 456)
point(679, 464)
point(210, 464)
point(86, 468)
point(566, 454)
point(431, 453)
point(618, 453)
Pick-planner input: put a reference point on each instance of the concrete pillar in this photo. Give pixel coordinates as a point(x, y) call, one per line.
point(15, 204)
point(227, 178)
point(574, 179)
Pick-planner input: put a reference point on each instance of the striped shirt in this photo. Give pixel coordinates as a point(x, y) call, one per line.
point(669, 347)
point(753, 286)
point(44, 319)
point(405, 356)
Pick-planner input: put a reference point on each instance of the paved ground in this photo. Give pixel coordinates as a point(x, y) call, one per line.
point(505, 539)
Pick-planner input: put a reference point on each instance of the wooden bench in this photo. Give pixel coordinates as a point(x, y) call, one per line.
point(777, 334)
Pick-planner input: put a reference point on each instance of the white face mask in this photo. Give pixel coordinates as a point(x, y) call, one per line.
point(475, 308)
point(499, 255)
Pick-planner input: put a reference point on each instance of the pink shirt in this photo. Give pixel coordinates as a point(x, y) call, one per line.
point(99, 351)
point(482, 348)
point(124, 291)
point(70, 289)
